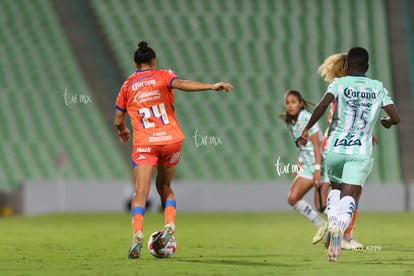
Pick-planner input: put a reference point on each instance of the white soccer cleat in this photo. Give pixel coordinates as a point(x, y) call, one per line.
point(351, 245)
point(334, 248)
point(134, 251)
point(164, 236)
point(320, 232)
point(327, 237)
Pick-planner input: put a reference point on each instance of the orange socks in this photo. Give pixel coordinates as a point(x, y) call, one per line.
point(169, 210)
point(137, 215)
point(351, 225)
point(137, 218)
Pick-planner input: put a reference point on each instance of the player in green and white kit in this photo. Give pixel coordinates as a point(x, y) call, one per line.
point(312, 171)
point(348, 154)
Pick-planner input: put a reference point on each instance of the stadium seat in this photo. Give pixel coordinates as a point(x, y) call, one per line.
point(264, 48)
point(37, 65)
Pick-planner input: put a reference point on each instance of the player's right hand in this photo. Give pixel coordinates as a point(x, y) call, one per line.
point(124, 135)
point(222, 86)
point(317, 179)
point(303, 139)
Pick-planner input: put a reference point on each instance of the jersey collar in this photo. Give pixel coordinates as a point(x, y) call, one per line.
point(139, 70)
point(357, 75)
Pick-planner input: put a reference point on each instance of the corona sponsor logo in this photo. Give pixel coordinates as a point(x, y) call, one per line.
point(350, 93)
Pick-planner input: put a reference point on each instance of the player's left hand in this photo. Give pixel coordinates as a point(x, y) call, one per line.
point(222, 86)
point(124, 135)
point(385, 122)
point(303, 139)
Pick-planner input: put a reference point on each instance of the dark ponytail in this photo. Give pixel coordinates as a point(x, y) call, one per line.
point(143, 54)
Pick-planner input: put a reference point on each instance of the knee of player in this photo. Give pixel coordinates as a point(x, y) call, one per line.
point(292, 199)
point(141, 192)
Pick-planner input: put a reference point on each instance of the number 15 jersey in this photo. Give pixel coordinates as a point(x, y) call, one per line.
point(358, 102)
point(148, 98)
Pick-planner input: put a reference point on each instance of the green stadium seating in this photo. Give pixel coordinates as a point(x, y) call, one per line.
point(36, 67)
point(264, 48)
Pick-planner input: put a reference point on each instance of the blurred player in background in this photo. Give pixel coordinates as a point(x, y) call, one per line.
point(348, 152)
point(331, 68)
point(312, 171)
point(147, 95)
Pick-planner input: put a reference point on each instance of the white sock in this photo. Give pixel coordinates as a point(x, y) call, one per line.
point(333, 206)
point(345, 212)
point(306, 210)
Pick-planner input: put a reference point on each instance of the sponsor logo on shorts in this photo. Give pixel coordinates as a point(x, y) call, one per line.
point(175, 157)
point(141, 157)
point(148, 149)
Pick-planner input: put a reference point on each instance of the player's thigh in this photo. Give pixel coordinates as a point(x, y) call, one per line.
point(169, 157)
point(301, 185)
point(142, 177)
point(165, 174)
point(357, 168)
point(170, 154)
point(334, 165)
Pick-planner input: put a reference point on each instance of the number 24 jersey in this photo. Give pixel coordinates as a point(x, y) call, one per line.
point(148, 98)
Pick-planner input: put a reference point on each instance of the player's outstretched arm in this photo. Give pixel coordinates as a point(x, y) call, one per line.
point(193, 86)
point(316, 115)
point(393, 116)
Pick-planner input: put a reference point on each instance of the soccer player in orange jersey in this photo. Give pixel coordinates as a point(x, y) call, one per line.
point(147, 96)
point(331, 68)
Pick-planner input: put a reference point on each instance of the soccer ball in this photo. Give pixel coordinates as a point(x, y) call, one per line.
point(166, 252)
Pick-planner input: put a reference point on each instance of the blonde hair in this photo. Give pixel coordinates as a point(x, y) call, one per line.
point(332, 67)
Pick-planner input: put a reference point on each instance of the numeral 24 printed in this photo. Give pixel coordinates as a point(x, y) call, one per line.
point(157, 111)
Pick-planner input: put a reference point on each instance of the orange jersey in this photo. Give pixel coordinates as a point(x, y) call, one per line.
point(325, 136)
point(148, 98)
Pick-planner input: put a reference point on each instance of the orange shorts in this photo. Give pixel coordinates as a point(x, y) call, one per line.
point(168, 155)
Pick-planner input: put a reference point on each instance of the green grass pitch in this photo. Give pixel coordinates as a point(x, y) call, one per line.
point(207, 244)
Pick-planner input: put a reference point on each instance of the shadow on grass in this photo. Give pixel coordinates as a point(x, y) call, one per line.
point(268, 261)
